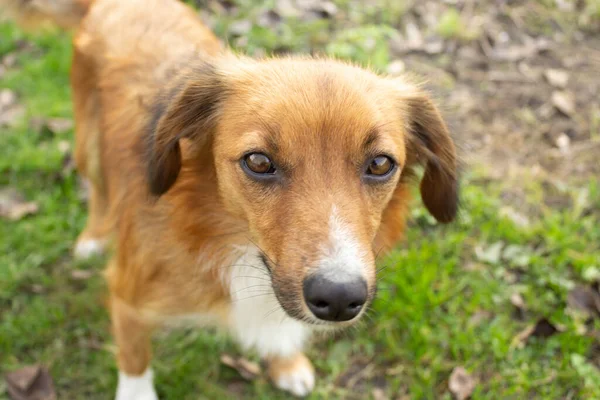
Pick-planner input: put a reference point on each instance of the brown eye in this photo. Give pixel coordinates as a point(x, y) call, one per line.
point(380, 166)
point(259, 163)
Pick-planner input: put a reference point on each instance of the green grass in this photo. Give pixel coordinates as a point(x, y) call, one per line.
point(444, 298)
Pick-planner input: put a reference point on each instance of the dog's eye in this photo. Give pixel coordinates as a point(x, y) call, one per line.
point(380, 166)
point(259, 163)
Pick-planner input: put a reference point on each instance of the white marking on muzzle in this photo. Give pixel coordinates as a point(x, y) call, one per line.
point(344, 257)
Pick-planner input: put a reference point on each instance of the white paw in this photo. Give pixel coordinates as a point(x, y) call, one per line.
point(136, 387)
point(299, 381)
point(87, 248)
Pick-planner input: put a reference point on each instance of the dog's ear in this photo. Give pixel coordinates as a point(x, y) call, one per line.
point(190, 110)
point(429, 144)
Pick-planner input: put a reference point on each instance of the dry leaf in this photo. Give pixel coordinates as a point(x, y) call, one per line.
point(517, 300)
point(565, 5)
point(81, 274)
point(479, 317)
point(563, 102)
point(9, 60)
point(48, 127)
point(584, 299)
point(64, 146)
point(269, 19)
point(247, 369)
point(10, 111)
point(491, 254)
point(531, 73)
point(542, 329)
point(59, 125)
point(461, 383)
point(379, 394)
point(30, 383)
point(513, 53)
point(327, 8)
point(563, 142)
point(516, 217)
point(433, 46)
point(13, 205)
point(414, 38)
point(287, 9)
point(396, 67)
point(37, 288)
point(23, 378)
point(557, 77)
point(240, 28)
point(11, 116)
point(8, 98)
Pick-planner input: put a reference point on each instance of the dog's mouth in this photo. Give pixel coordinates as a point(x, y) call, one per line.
point(289, 294)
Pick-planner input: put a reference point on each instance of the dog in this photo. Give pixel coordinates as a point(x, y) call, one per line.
point(249, 194)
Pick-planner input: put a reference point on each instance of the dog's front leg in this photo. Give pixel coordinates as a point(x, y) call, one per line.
point(132, 336)
point(294, 374)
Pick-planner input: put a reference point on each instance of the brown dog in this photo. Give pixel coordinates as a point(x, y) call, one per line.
point(251, 194)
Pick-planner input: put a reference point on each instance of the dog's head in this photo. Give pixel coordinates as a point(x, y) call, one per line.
point(315, 156)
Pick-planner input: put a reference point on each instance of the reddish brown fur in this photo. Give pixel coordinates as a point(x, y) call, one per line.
point(163, 115)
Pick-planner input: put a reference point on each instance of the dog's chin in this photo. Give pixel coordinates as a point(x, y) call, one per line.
point(295, 309)
point(319, 325)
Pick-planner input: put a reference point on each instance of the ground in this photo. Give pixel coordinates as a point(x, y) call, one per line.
point(507, 295)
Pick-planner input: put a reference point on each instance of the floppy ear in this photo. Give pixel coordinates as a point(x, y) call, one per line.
point(189, 111)
point(429, 143)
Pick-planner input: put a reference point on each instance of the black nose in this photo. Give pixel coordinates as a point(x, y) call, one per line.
point(334, 301)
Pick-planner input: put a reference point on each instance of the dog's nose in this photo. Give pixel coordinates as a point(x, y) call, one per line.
point(334, 301)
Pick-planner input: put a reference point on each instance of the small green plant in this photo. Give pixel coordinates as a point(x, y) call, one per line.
point(452, 26)
point(367, 45)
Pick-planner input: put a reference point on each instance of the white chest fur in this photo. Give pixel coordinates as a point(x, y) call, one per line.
point(256, 319)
